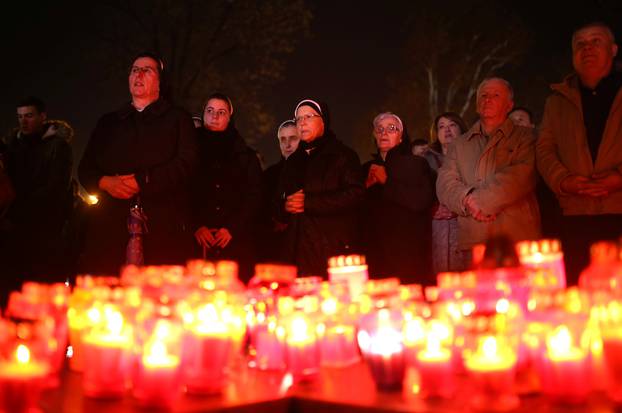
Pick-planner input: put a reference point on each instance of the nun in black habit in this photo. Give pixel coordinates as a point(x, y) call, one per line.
point(321, 188)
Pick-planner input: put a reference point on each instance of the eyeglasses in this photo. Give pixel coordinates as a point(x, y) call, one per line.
point(214, 113)
point(135, 70)
point(389, 129)
point(299, 119)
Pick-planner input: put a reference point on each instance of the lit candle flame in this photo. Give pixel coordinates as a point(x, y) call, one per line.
point(489, 347)
point(22, 354)
point(298, 332)
point(92, 199)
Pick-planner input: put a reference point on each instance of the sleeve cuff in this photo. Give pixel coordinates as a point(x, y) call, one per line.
point(142, 178)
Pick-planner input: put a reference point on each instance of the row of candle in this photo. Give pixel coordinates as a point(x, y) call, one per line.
point(184, 325)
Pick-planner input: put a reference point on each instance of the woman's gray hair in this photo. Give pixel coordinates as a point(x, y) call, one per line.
point(384, 115)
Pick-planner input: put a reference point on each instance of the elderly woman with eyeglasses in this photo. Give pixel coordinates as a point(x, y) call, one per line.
point(321, 187)
point(227, 188)
point(400, 193)
point(139, 157)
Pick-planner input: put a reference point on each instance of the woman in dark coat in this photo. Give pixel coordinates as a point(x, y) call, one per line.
point(143, 154)
point(227, 188)
point(321, 189)
point(400, 193)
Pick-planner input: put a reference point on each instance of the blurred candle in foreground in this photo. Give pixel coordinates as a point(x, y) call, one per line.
point(303, 356)
point(107, 355)
point(21, 381)
point(381, 342)
point(567, 367)
point(207, 343)
point(544, 261)
point(435, 368)
point(611, 331)
point(157, 382)
point(350, 269)
point(492, 368)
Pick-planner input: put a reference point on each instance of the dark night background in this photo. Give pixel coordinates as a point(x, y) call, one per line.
point(353, 49)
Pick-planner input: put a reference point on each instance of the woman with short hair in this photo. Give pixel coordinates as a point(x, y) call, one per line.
point(321, 186)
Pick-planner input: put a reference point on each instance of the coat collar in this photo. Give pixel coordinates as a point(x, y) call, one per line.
point(505, 128)
point(157, 108)
point(571, 89)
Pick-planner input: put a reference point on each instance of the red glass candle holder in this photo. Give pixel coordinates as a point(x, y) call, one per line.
point(435, 367)
point(611, 333)
point(491, 367)
point(157, 378)
point(301, 344)
point(206, 346)
point(23, 367)
point(381, 343)
point(107, 355)
point(350, 269)
point(566, 360)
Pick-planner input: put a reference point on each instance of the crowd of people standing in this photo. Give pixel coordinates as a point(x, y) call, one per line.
point(169, 189)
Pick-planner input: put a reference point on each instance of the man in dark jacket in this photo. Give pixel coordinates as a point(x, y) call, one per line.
point(322, 186)
point(38, 163)
point(140, 156)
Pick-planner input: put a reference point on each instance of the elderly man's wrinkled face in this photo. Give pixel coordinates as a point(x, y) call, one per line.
point(144, 79)
point(216, 115)
point(30, 120)
point(309, 123)
point(447, 130)
point(494, 102)
point(593, 51)
point(387, 133)
point(521, 118)
point(288, 140)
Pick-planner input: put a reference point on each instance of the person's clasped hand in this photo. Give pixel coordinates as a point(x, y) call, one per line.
point(295, 203)
point(598, 185)
point(377, 175)
point(120, 186)
point(442, 212)
point(475, 211)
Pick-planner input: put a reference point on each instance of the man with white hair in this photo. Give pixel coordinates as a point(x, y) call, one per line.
point(488, 177)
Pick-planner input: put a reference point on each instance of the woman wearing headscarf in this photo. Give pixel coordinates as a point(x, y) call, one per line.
point(138, 162)
point(226, 193)
point(321, 188)
point(446, 255)
point(399, 196)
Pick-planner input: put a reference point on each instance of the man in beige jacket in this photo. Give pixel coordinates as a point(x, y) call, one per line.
point(579, 147)
point(488, 177)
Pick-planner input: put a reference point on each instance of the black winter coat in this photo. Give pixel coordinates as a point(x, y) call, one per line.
point(226, 193)
point(40, 169)
point(397, 218)
point(332, 180)
point(271, 233)
point(159, 146)
point(31, 239)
